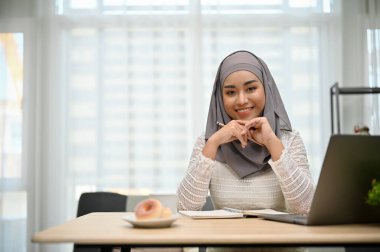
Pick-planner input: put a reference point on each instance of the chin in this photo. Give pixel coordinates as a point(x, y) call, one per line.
point(246, 118)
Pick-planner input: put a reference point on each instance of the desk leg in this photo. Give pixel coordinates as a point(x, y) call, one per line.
point(125, 249)
point(115, 249)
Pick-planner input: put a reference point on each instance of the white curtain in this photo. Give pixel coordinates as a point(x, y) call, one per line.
point(15, 45)
point(372, 103)
point(12, 176)
point(119, 90)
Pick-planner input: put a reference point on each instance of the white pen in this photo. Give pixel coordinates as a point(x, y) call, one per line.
point(253, 140)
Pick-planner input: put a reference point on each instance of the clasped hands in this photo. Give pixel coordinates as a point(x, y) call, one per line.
point(257, 130)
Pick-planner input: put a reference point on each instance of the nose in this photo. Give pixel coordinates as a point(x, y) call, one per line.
point(242, 98)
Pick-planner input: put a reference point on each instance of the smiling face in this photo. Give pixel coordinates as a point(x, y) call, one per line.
point(243, 95)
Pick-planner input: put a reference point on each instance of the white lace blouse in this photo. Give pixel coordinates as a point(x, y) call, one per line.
point(287, 186)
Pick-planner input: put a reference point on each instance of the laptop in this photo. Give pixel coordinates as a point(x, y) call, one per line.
point(351, 163)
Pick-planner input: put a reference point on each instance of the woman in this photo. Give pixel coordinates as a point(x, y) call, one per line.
point(249, 157)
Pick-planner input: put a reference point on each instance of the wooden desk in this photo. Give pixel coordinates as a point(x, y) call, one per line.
point(109, 228)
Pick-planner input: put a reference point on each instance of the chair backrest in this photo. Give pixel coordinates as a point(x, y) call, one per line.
point(133, 200)
point(101, 202)
point(208, 205)
point(90, 202)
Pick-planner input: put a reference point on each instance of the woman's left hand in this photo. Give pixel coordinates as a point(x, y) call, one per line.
point(259, 129)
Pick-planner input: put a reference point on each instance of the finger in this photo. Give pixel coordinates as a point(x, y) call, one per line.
point(250, 132)
point(256, 142)
point(245, 136)
point(252, 138)
point(242, 140)
point(255, 124)
point(248, 126)
point(240, 122)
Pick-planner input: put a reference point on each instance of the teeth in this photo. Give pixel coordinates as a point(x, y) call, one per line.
point(243, 110)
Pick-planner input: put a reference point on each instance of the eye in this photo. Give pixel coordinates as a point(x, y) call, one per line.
point(251, 89)
point(230, 92)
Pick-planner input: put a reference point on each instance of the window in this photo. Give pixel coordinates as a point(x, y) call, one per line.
point(12, 174)
point(137, 78)
point(372, 102)
point(118, 92)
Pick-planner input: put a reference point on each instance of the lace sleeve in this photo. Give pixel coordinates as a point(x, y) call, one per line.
point(193, 189)
point(292, 170)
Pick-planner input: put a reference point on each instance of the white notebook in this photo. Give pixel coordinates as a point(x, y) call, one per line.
point(213, 214)
point(228, 213)
point(255, 212)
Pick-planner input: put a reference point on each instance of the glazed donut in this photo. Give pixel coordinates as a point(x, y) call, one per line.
point(148, 209)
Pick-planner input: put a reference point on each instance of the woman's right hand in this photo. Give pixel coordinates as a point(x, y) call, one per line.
point(228, 133)
point(231, 132)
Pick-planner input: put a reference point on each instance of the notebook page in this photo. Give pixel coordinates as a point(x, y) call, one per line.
point(214, 214)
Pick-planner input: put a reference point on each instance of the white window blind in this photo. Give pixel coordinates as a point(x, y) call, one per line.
point(126, 106)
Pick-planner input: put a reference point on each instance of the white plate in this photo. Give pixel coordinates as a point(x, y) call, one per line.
point(152, 223)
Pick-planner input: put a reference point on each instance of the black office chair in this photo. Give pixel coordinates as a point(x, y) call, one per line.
point(90, 202)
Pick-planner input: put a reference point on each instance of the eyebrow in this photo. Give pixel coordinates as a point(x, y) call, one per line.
point(244, 84)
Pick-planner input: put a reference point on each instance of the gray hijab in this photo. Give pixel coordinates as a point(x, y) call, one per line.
point(253, 158)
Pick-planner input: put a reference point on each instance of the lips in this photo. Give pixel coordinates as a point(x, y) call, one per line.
point(244, 112)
